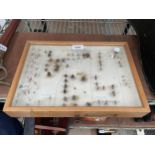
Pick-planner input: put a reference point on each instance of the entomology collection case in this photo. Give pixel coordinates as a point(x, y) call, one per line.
point(67, 79)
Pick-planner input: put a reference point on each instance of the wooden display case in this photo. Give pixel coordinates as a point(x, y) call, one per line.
point(119, 91)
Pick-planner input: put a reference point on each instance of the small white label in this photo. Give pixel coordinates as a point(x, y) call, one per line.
point(101, 131)
point(117, 49)
point(3, 48)
point(77, 47)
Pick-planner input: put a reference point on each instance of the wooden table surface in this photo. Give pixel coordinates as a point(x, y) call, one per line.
point(17, 44)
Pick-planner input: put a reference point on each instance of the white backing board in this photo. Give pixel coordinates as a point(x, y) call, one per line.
point(65, 76)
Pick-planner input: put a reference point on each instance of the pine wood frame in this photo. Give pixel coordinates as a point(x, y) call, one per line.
point(49, 111)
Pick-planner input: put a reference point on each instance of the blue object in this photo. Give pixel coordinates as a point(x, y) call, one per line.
point(9, 125)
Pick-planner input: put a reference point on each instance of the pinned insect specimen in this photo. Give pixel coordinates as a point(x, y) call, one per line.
point(56, 68)
point(86, 55)
point(35, 75)
point(64, 104)
point(46, 65)
point(68, 54)
point(99, 55)
point(75, 104)
point(65, 98)
point(64, 91)
point(96, 83)
point(67, 65)
point(49, 54)
point(95, 77)
point(97, 88)
point(65, 75)
point(99, 61)
point(35, 83)
point(30, 79)
point(83, 78)
point(65, 80)
point(99, 102)
point(57, 60)
point(49, 74)
point(46, 69)
point(120, 64)
point(74, 97)
point(78, 54)
point(106, 103)
point(21, 86)
point(50, 97)
point(50, 60)
point(88, 104)
point(72, 76)
point(65, 86)
point(63, 60)
point(113, 93)
point(84, 92)
point(115, 102)
point(112, 86)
